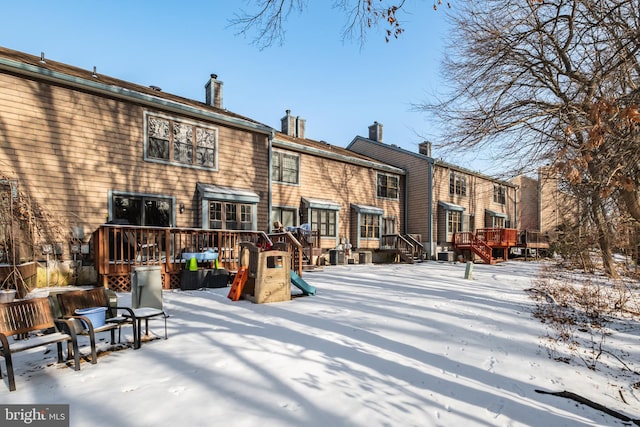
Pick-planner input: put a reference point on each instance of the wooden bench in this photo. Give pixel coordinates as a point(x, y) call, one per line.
point(24, 317)
point(71, 301)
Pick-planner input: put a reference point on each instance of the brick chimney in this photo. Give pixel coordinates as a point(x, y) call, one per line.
point(213, 92)
point(293, 126)
point(375, 132)
point(425, 148)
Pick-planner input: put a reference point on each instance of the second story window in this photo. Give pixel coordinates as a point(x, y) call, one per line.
point(457, 184)
point(499, 194)
point(180, 142)
point(285, 168)
point(387, 186)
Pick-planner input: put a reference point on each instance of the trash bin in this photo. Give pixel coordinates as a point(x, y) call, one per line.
point(365, 257)
point(336, 257)
point(146, 286)
point(216, 278)
point(446, 256)
point(190, 280)
point(7, 295)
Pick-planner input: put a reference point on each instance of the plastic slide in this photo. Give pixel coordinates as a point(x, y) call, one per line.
point(299, 283)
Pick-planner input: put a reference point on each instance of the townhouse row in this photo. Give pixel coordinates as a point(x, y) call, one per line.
point(89, 149)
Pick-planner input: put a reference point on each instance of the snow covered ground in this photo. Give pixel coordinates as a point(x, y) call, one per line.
point(379, 345)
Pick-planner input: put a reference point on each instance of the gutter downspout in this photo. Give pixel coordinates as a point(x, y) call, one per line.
point(539, 201)
point(515, 208)
point(269, 182)
point(430, 212)
point(405, 216)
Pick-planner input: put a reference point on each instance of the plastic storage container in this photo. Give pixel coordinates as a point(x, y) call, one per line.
point(96, 316)
point(7, 295)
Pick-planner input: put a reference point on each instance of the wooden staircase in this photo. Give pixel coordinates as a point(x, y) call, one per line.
point(485, 240)
point(482, 249)
point(302, 246)
point(412, 251)
point(407, 247)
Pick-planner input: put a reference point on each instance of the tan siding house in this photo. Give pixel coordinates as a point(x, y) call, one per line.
point(546, 211)
point(529, 202)
point(351, 199)
point(555, 209)
point(88, 149)
point(442, 198)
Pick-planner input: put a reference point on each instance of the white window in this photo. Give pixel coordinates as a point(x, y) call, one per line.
point(457, 184)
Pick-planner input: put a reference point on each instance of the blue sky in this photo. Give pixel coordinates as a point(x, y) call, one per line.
point(339, 87)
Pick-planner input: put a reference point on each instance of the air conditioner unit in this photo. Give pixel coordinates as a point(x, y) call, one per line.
point(446, 256)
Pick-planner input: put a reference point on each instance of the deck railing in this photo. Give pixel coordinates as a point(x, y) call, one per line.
point(485, 239)
point(404, 249)
point(499, 237)
point(119, 248)
point(533, 239)
point(286, 241)
point(494, 237)
point(418, 247)
point(463, 239)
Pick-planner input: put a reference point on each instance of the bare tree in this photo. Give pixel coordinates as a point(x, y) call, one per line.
point(551, 81)
point(267, 18)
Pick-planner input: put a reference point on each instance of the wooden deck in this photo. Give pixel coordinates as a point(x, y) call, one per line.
point(118, 249)
point(485, 241)
point(533, 239)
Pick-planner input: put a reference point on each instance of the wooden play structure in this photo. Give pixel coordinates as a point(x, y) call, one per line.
point(263, 276)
